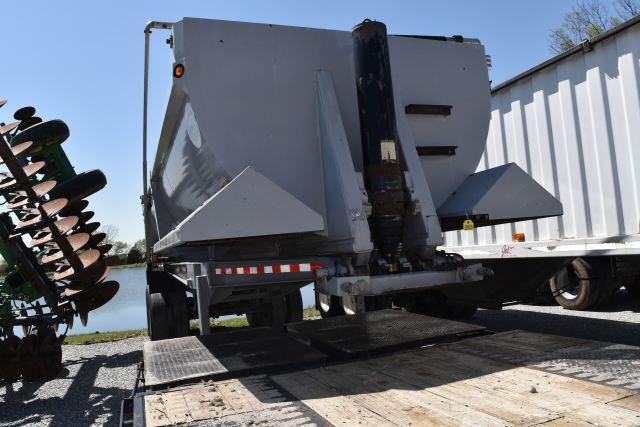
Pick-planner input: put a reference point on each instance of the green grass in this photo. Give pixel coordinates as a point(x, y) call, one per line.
point(216, 325)
point(97, 337)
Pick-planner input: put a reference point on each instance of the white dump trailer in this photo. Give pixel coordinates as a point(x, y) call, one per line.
point(573, 124)
point(293, 155)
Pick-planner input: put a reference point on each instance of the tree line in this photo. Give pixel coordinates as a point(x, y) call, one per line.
point(587, 19)
point(121, 252)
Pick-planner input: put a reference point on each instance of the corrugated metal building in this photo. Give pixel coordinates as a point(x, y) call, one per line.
point(573, 124)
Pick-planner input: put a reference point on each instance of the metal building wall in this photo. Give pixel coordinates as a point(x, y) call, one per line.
point(574, 126)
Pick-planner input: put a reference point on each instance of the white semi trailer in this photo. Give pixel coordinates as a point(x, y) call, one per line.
point(573, 124)
point(293, 155)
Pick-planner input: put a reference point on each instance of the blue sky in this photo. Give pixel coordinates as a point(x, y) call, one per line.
point(82, 61)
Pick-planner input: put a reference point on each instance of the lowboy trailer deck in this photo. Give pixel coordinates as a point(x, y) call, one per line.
point(385, 367)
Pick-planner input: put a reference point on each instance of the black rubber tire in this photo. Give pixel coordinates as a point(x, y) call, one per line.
point(158, 314)
point(335, 307)
point(633, 287)
point(178, 314)
point(580, 275)
point(257, 319)
point(293, 305)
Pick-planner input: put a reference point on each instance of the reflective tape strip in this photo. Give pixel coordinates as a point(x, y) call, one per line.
point(268, 269)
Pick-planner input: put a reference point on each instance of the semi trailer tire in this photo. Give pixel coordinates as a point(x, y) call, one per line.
point(328, 305)
point(291, 303)
point(158, 315)
point(178, 314)
point(575, 287)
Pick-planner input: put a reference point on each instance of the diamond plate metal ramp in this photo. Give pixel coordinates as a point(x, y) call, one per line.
point(378, 332)
point(224, 354)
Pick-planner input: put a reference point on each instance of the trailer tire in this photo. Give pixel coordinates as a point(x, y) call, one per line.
point(158, 314)
point(575, 287)
point(293, 305)
point(178, 314)
point(328, 305)
point(633, 287)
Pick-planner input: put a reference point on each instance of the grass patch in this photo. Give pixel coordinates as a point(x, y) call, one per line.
point(96, 337)
point(216, 325)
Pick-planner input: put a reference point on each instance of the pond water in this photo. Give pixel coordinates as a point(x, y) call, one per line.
point(127, 310)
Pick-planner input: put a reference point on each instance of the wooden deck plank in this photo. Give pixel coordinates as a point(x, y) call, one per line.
point(326, 401)
point(630, 402)
point(463, 366)
point(216, 400)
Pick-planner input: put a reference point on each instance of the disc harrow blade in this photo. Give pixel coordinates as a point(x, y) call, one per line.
point(76, 241)
point(98, 296)
point(62, 226)
point(10, 364)
point(35, 217)
point(75, 208)
point(86, 258)
point(8, 128)
point(43, 135)
point(24, 113)
point(21, 198)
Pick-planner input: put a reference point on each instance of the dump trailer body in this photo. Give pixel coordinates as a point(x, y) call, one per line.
point(573, 124)
point(249, 97)
point(259, 184)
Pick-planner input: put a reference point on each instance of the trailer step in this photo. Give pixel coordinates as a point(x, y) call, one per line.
point(378, 332)
point(221, 355)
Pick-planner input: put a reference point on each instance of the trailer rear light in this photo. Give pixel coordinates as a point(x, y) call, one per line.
point(268, 269)
point(518, 237)
point(178, 71)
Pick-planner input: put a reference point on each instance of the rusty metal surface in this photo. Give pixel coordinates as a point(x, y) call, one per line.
point(377, 332)
point(244, 351)
point(75, 241)
point(62, 226)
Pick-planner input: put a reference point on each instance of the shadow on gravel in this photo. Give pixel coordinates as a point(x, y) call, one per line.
point(557, 324)
point(84, 403)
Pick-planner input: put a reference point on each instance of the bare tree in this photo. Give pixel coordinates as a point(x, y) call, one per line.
point(627, 9)
point(112, 233)
point(587, 19)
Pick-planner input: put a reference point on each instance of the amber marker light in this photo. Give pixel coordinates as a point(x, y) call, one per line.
point(178, 71)
point(518, 237)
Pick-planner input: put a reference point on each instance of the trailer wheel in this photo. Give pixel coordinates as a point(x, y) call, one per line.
point(633, 287)
point(179, 314)
point(158, 315)
point(328, 305)
point(293, 305)
point(574, 287)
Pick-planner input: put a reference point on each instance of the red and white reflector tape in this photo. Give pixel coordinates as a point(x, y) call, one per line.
point(268, 269)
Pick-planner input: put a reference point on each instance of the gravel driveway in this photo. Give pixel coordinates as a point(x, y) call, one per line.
point(96, 377)
point(617, 322)
point(89, 390)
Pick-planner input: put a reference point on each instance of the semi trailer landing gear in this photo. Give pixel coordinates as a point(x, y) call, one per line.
point(167, 314)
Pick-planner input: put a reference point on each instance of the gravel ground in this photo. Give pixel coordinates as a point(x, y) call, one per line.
point(617, 322)
point(96, 377)
point(89, 390)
